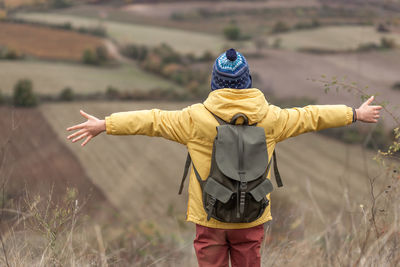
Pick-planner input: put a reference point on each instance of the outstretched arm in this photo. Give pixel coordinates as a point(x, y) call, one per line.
point(89, 129)
point(295, 121)
point(173, 125)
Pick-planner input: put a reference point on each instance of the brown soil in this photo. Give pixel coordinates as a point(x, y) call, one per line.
point(45, 42)
point(33, 160)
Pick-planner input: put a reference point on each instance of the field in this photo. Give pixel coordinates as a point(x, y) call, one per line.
point(46, 43)
point(150, 168)
point(165, 10)
point(17, 3)
point(288, 74)
point(52, 77)
point(337, 38)
point(183, 41)
point(137, 174)
point(35, 162)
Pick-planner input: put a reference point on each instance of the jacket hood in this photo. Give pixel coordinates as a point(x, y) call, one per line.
point(225, 103)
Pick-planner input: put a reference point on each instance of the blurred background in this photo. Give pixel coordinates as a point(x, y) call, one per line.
point(114, 202)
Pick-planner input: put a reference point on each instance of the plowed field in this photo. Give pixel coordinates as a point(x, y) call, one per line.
point(46, 43)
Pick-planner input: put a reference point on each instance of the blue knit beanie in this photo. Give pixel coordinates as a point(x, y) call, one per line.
point(231, 70)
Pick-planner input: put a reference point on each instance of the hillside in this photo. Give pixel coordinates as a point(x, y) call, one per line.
point(289, 74)
point(34, 162)
point(134, 171)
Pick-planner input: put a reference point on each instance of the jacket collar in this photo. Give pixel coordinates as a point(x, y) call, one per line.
point(225, 103)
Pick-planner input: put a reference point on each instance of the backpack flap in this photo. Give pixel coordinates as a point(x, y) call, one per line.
point(255, 153)
point(261, 190)
point(217, 190)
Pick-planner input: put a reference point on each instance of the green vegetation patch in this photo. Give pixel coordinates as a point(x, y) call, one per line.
point(51, 78)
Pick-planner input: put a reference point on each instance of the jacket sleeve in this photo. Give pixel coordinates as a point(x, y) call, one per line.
point(295, 121)
point(173, 125)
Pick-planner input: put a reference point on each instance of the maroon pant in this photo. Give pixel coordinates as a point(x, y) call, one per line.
point(214, 246)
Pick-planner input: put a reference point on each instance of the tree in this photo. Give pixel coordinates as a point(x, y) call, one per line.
point(89, 57)
point(23, 94)
point(67, 94)
point(232, 32)
point(280, 26)
point(60, 3)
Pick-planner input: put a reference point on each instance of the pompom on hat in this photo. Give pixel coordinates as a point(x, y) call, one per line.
point(231, 70)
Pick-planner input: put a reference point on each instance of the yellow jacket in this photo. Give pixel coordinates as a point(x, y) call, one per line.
point(195, 127)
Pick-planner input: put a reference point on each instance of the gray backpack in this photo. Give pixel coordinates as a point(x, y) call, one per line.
point(236, 188)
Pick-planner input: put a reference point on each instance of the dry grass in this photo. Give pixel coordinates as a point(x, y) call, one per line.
point(338, 207)
point(46, 43)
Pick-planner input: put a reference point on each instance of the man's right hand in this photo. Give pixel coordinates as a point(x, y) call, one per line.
point(89, 129)
point(368, 113)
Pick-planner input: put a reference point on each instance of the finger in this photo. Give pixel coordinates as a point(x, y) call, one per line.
point(76, 133)
point(377, 107)
point(80, 137)
point(369, 101)
point(84, 114)
point(87, 140)
point(75, 127)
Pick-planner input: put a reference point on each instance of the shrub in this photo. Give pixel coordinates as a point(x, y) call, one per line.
point(23, 94)
point(396, 86)
point(388, 43)
point(89, 57)
point(153, 63)
point(232, 32)
point(9, 53)
point(177, 16)
point(2, 98)
point(96, 57)
point(167, 54)
point(67, 94)
point(279, 27)
point(112, 93)
point(207, 56)
point(60, 3)
point(368, 47)
point(137, 52)
point(101, 54)
point(97, 31)
point(382, 28)
point(307, 25)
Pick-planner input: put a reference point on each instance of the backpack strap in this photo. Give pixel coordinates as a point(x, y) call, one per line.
point(276, 171)
point(185, 172)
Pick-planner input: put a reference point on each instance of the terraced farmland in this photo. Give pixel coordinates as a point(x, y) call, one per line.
point(183, 41)
point(336, 38)
point(52, 77)
point(141, 175)
point(47, 43)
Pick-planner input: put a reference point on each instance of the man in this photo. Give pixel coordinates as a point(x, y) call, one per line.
point(195, 127)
